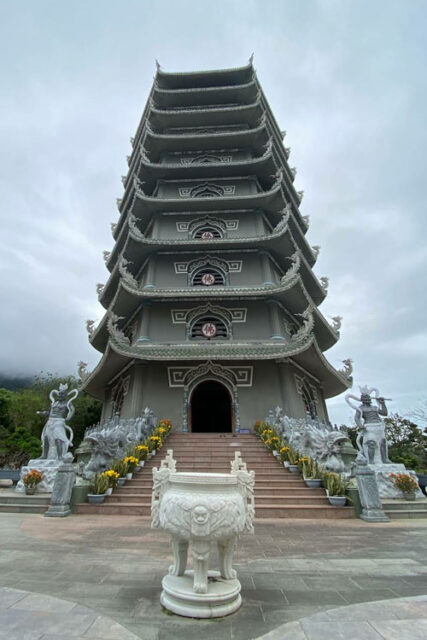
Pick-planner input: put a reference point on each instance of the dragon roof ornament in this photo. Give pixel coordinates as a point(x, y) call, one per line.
point(347, 370)
point(306, 329)
point(117, 334)
point(126, 275)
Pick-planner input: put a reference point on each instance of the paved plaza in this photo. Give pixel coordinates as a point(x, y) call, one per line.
point(102, 576)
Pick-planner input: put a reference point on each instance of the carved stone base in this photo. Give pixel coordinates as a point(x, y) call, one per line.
point(374, 515)
point(58, 511)
point(222, 598)
point(385, 485)
point(49, 468)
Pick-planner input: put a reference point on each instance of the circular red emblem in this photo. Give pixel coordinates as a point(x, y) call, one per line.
point(208, 279)
point(209, 330)
point(207, 235)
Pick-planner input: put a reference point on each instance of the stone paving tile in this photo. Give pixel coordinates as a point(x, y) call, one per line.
point(9, 597)
point(39, 602)
point(401, 630)
point(325, 597)
point(293, 632)
point(340, 630)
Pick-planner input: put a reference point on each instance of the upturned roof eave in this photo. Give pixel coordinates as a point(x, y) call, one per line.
point(306, 353)
point(333, 381)
point(156, 143)
point(262, 166)
point(217, 116)
point(242, 74)
point(180, 97)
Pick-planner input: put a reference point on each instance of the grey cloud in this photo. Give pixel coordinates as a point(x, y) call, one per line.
point(346, 80)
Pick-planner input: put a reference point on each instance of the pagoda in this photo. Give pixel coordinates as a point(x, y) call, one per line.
point(211, 305)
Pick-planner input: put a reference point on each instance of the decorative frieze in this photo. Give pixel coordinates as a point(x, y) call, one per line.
point(241, 376)
point(207, 190)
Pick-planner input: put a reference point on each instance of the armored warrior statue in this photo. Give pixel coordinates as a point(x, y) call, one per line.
point(371, 440)
point(55, 440)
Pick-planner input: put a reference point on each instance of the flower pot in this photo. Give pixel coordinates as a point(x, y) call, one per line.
point(121, 482)
point(275, 453)
point(129, 476)
point(294, 468)
point(286, 464)
point(96, 498)
point(30, 490)
point(336, 501)
point(141, 463)
point(313, 483)
point(109, 491)
point(409, 495)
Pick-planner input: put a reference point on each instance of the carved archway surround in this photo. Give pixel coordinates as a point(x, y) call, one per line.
point(215, 373)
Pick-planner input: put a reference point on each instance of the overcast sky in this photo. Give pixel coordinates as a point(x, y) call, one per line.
point(346, 79)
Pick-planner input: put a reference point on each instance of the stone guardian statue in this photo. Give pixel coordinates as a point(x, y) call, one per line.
point(55, 441)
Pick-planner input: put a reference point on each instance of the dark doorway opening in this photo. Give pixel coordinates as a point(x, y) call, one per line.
point(210, 408)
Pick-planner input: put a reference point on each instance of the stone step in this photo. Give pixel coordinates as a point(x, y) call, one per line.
point(306, 512)
point(405, 505)
point(24, 499)
point(261, 510)
point(278, 493)
point(19, 507)
point(280, 499)
point(405, 514)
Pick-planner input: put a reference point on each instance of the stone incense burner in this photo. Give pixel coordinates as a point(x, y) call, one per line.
point(205, 509)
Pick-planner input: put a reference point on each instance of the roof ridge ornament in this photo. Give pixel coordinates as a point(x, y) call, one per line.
point(293, 269)
point(251, 58)
point(306, 220)
point(100, 288)
point(324, 281)
point(82, 373)
point(132, 223)
point(285, 213)
point(90, 327)
point(347, 370)
point(315, 250)
point(336, 323)
point(113, 226)
point(306, 328)
point(106, 255)
point(158, 67)
point(116, 333)
point(300, 194)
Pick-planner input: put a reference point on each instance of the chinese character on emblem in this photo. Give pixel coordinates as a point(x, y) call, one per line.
point(209, 330)
point(207, 235)
point(208, 279)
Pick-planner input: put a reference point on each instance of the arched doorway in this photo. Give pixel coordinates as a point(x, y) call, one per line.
point(210, 408)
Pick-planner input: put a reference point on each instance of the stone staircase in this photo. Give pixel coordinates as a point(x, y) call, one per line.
point(402, 509)
point(12, 502)
point(278, 493)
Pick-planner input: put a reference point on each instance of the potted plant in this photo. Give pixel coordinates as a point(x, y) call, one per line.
point(336, 487)
point(97, 489)
point(31, 480)
point(406, 484)
point(154, 443)
point(141, 452)
point(112, 477)
point(311, 473)
point(284, 457)
point(131, 464)
point(293, 457)
point(121, 468)
point(166, 424)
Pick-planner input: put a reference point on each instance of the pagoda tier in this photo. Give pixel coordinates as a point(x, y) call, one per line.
point(271, 202)
point(211, 283)
point(201, 97)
